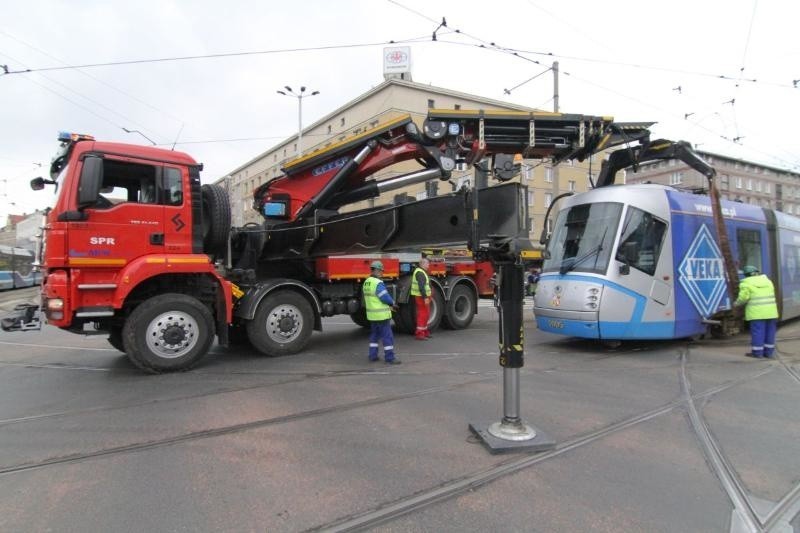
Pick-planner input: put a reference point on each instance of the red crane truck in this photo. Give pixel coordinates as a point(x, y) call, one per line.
point(162, 272)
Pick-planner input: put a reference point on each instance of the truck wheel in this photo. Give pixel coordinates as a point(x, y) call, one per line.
point(115, 338)
point(460, 308)
point(216, 219)
point(168, 332)
point(406, 318)
point(360, 318)
point(436, 310)
point(282, 324)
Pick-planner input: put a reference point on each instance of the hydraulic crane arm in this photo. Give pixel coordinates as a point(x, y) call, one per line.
point(346, 172)
point(652, 151)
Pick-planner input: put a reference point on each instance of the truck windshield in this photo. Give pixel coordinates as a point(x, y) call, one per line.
point(583, 237)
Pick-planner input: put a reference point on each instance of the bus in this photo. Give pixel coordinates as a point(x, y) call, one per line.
point(16, 268)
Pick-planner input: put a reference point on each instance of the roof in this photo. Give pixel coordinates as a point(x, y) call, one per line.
point(430, 89)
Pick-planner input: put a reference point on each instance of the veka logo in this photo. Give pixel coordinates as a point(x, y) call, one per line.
point(178, 222)
point(702, 273)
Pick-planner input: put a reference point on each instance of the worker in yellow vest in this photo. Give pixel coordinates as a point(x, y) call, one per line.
point(379, 305)
point(421, 291)
point(757, 294)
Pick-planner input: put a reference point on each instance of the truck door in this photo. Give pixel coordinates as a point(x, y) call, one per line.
point(126, 222)
point(172, 192)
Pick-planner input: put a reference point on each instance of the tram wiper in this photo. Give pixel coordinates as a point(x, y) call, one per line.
point(570, 263)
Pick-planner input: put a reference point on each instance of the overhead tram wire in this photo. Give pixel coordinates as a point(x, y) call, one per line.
point(83, 96)
point(215, 56)
point(95, 78)
point(696, 124)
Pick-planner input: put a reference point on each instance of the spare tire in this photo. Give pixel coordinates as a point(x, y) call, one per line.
point(216, 219)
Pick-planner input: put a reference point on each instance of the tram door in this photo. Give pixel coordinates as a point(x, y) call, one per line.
point(643, 271)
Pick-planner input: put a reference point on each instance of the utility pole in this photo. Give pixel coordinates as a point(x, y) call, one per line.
point(554, 170)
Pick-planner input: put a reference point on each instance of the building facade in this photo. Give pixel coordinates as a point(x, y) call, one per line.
point(393, 98)
point(737, 181)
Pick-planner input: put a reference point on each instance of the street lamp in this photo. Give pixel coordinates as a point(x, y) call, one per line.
point(299, 96)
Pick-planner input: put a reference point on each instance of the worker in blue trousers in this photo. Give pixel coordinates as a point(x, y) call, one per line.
point(379, 304)
point(757, 294)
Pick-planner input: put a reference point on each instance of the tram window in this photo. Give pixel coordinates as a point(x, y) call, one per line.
point(581, 236)
point(641, 240)
point(749, 242)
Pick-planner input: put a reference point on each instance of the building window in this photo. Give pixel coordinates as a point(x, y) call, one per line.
point(526, 172)
point(295, 147)
point(676, 178)
point(548, 199)
point(531, 197)
point(738, 182)
point(548, 174)
point(341, 122)
point(330, 129)
point(457, 107)
point(431, 103)
point(572, 185)
point(724, 182)
point(749, 184)
point(758, 186)
point(767, 187)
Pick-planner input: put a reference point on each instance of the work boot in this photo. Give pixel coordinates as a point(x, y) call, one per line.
point(394, 362)
point(751, 354)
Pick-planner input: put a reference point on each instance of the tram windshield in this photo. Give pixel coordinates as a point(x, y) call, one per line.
point(583, 238)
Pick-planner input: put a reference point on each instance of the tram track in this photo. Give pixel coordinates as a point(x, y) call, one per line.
point(451, 488)
point(385, 513)
point(231, 429)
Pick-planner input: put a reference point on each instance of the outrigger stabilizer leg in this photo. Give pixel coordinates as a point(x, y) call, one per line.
point(510, 434)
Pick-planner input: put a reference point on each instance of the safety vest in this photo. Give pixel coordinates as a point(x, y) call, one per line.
point(415, 288)
point(758, 293)
point(376, 309)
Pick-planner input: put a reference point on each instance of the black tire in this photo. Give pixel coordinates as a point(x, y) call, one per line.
point(168, 332)
point(216, 219)
point(115, 338)
point(436, 310)
point(460, 308)
point(406, 319)
point(282, 324)
point(360, 318)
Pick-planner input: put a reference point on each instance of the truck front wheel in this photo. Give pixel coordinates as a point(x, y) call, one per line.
point(282, 324)
point(168, 332)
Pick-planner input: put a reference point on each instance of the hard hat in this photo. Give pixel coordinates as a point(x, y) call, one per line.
point(376, 265)
point(749, 270)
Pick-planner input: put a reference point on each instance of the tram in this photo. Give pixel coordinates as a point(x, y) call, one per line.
point(16, 268)
point(628, 262)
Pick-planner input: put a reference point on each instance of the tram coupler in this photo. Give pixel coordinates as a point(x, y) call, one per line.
point(25, 317)
point(511, 433)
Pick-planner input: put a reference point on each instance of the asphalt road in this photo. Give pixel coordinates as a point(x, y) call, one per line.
point(650, 437)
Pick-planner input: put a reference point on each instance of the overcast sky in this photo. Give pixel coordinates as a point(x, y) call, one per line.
point(717, 73)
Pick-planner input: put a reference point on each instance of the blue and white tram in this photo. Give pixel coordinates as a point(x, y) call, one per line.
point(642, 262)
point(16, 268)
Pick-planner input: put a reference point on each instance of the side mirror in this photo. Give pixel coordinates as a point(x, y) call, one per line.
point(91, 179)
point(37, 184)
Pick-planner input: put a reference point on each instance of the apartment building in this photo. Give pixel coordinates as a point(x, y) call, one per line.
point(737, 180)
